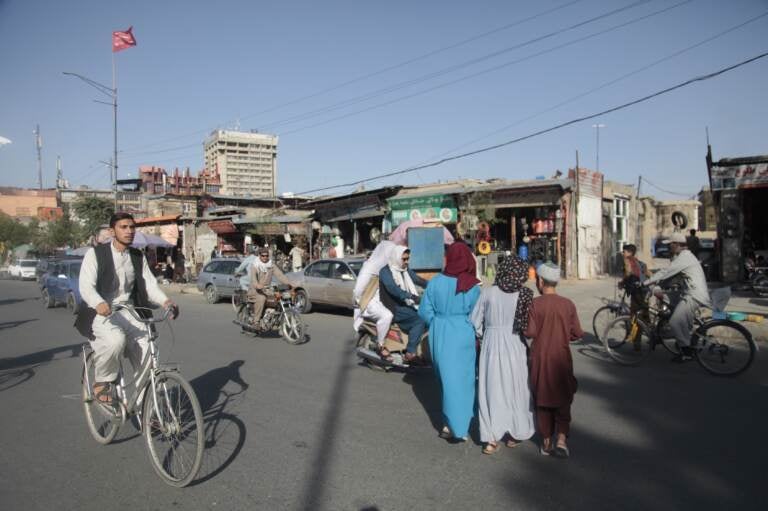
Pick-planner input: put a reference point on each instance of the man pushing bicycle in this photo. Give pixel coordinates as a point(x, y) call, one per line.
point(116, 273)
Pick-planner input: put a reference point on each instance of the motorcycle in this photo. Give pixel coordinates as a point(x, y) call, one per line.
point(280, 314)
point(396, 342)
point(757, 276)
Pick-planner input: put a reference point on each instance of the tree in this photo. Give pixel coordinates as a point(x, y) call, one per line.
point(58, 234)
point(12, 234)
point(93, 212)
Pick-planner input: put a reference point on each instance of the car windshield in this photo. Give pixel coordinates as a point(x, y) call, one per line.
point(28, 264)
point(356, 265)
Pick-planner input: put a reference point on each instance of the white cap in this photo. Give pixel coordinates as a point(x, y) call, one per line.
point(549, 271)
point(676, 237)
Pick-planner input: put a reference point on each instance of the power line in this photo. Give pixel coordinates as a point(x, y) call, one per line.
point(381, 71)
point(450, 69)
point(687, 195)
point(489, 70)
point(606, 84)
point(547, 130)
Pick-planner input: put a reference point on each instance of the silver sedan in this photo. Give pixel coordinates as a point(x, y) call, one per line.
point(327, 282)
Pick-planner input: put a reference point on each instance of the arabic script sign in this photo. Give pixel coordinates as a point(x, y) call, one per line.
point(753, 175)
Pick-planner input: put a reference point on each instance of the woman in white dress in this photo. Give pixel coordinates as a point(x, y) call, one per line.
point(504, 397)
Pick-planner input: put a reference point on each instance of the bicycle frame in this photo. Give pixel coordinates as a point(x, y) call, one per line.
point(150, 369)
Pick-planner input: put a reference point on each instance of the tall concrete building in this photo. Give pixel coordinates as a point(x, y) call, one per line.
point(246, 162)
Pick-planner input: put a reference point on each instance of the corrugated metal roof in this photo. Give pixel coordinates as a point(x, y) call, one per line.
point(471, 186)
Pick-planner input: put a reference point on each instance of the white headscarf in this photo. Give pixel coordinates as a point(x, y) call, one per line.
point(399, 272)
point(371, 268)
point(261, 266)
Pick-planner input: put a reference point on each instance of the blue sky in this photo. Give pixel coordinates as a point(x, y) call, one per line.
point(272, 66)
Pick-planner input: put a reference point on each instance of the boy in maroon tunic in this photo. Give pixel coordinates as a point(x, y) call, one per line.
point(552, 325)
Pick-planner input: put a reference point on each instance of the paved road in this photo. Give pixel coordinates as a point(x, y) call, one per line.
point(314, 430)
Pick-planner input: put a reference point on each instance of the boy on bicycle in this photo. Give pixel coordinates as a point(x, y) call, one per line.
point(116, 273)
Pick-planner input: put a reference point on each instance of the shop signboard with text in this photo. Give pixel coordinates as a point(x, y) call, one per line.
point(430, 208)
point(753, 175)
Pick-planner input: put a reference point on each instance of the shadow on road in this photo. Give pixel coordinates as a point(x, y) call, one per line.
point(677, 439)
point(9, 301)
point(17, 370)
point(224, 431)
point(13, 324)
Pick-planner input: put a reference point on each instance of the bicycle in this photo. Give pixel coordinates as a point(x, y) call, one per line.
point(608, 312)
point(629, 339)
point(164, 404)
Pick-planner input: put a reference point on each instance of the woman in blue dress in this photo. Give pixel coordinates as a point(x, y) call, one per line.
point(446, 307)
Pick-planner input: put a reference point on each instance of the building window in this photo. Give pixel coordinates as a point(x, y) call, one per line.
point(620, 227)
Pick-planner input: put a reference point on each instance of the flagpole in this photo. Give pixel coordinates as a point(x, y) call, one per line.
point(114, 109)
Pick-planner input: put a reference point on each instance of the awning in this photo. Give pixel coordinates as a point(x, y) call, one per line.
point(222, 226)
point(157, 219)
point(356, 215)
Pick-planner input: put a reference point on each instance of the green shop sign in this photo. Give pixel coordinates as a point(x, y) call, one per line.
point(438, 208)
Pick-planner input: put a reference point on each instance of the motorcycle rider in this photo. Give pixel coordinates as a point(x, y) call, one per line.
point(373, 308)
point(400, 296)
point(261, 273)
point(694, 294)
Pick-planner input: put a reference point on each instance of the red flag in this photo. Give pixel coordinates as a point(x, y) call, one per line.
point(122, 40)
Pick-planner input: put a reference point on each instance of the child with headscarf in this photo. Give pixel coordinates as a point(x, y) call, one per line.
point(553, 323)
point(504, 399)
point(398, 283)
point(446, 306)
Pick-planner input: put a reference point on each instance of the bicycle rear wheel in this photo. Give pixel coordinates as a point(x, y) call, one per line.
point(723, 347)
point(627, 340)
point(173, 429)
point(103, 423)
point(292, 327)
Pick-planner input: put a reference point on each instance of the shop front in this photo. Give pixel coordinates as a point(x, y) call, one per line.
point(740, 192)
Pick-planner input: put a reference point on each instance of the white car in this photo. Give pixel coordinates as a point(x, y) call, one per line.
point(23, 269)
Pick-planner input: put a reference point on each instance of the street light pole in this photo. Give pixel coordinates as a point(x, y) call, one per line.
point(110, 92)
point(597, 145)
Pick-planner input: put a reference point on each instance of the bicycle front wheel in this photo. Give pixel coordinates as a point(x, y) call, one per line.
point(173, 429)
point(103, 423)
point(723, 347)
point(292, 327)
point(627, 340)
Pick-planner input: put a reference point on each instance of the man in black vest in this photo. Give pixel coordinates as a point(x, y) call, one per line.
point(114, 273)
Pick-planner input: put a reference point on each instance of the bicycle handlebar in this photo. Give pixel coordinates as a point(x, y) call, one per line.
point(132, 311)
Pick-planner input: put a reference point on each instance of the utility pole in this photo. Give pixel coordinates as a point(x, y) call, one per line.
point(59, 176)
point(597, 145)
point(576, 215)
point(39, 148)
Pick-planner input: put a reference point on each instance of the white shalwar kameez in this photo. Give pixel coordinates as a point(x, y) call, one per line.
point(504, 397)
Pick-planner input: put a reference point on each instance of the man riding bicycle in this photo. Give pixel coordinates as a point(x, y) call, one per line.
point(115, 273)
point(694, 292)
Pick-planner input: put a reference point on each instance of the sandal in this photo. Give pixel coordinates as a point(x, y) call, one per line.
point(512, 443)
point(411, 359)
point(104, 393)
point(490, 448)
point(445, 433)
point(384, 353)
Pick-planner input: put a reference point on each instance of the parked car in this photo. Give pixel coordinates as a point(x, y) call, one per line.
point(326, 281)
point(23, 269)
point(61, 285)
point(218, 280)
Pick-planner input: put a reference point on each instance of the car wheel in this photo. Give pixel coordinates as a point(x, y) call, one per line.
point(211, 295)
point(71, 303)
point(302, 301)
point(48, 301)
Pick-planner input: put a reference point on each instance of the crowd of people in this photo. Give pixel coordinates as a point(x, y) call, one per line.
point(500, 355)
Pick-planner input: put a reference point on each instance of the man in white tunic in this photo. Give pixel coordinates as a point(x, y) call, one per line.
point(112, 274)
point(373, 309)
point(695, 294)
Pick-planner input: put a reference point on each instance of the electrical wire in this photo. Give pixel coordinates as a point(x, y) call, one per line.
point(488, 70)
point(550, 129)
point(379, 72)
point(605, 84)
point(644, 180)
